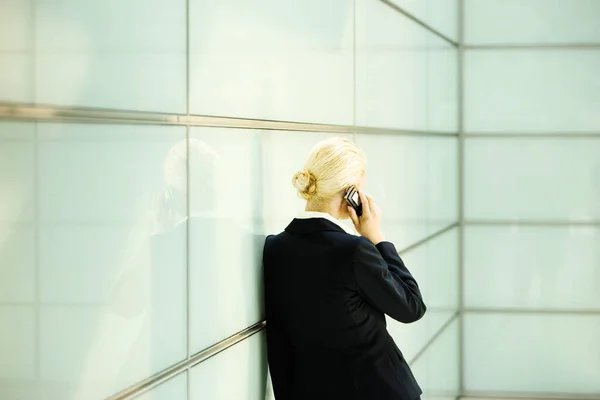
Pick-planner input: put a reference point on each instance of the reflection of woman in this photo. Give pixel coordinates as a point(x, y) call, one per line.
point(326, 291)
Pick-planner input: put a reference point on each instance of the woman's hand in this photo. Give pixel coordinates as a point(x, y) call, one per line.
point(369, 223)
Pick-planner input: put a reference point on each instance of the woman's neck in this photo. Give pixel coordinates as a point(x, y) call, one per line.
point(332, 208)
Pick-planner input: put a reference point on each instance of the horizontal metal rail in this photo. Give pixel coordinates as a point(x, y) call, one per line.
point(163, 376)
point(39, 113)
point(527, 396)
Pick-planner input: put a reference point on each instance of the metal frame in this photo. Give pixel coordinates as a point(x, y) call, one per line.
point(530, 46)
point(533, 135)
point(538, 311)
point(461, 200)
point(531, 223)
point(24, 112)
point(527, 396)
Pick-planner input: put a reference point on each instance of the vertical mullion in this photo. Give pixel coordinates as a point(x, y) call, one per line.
point(461, 202)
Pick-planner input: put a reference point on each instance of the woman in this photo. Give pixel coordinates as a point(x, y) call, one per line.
point(326, 291)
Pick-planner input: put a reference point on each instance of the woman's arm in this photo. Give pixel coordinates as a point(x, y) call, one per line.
point(385, 282)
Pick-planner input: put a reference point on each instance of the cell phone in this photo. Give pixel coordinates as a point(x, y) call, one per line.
point(353, 200)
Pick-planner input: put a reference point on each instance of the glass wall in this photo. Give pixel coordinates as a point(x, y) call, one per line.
point(532, 197)
point(134, 203)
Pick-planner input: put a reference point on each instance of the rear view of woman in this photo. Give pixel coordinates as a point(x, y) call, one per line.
point(326, 291)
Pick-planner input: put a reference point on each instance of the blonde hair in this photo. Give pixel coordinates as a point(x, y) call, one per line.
point(332, 166)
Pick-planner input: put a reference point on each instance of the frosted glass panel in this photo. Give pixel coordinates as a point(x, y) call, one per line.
point(226, 233)
point(437, 369)
point(532, 353)
point(412, 338)
point(284, 153)
point(17, 173)
point(532, 91)
point(17, 176)
point(442, 182)
point(17, 263)
point(397, 180)
point(272, 59)
point(534, 179)
point(551, 267)
point(16, 43)
point(17, 344)
point(441, 15)
point(442, 85)
point(405, 75)
point(110, 54)
point(111, 275)
point(435, 267)
point(173, 389)
point(531, 21)
point(240, 372)
point(391, 68)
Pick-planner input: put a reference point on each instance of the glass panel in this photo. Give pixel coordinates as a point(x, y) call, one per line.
point(112, 282)
point(442, 182)
point(532, 91)
point(16, 50)
point(240, 372)
point(271, 59)
point(17, 170)
point(391, 68)
point(138, 63)
point(436, 369)
point(545, 179)
point(17, 344)
point(441, 15)
point(284, 153)
point(397, 180)
point(406, 77)
point(435, 267)
point(531, 267)
point(532, 353)
point(173, 389)
point(442, 86)
point(226, 233)
point(531, 21)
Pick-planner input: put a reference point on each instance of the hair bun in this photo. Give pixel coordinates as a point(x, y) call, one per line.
point(306, 184)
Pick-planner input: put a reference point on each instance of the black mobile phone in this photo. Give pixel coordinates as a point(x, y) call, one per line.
point(353, 200)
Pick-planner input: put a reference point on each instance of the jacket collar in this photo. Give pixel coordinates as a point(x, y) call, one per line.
point(311, 221)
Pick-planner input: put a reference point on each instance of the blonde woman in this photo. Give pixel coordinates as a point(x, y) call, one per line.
point(326, 291)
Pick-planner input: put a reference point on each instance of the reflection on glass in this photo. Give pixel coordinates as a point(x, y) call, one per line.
point(226, 234)
point(110, 313)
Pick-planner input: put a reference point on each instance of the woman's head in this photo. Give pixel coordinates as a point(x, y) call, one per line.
point(332, 166)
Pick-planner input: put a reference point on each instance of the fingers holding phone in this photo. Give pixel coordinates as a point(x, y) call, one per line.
point(369, 223)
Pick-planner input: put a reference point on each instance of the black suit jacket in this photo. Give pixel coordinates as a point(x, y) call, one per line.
point(326, 293)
